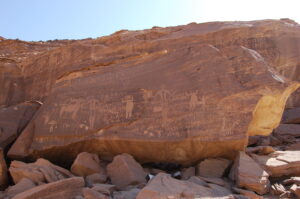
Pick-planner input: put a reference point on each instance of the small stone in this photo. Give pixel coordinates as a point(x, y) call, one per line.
point(218, 190)
point(92, 194)
point(277, 189)
point(295, 189)
point(186, 173)
point(156, 171)
point(86, 164)
point(124, 171)
point(217, 181)
point(248, 174)
point(262, 150)
point(212, 167)
point(95, 178)
point(163, 186)
point(198, 181)
point(106, 189)
point(292, 180)
point(130, 194)
point(247, 193)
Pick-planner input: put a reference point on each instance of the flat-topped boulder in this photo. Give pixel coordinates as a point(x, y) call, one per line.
point(174, 94)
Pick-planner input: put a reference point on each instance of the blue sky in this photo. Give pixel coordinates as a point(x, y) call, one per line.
point(34, 20)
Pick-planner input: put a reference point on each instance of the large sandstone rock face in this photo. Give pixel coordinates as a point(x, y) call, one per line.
point(175, 94)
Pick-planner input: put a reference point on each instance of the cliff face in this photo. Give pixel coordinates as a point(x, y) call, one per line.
point(176, 94)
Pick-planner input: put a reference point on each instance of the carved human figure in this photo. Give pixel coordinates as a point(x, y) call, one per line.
point(129, 106)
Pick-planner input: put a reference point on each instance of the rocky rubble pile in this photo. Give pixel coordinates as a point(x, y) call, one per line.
point(268, 168)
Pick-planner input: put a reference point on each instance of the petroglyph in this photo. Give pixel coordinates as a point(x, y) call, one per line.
point(194, 101)
point(53, 124)
point(128, 106)
point(147, 94)
point(70, 109)
point(93, 107)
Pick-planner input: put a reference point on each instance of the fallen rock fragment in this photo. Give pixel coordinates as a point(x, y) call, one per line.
point(280, 163)
point(106, 189)
point(295, 189)
point(95, 178)
point(3, 171)
point(92, 194)
point(248, 174)
point(247, 193)
point(23, 185)
point(41, 171)
point(261, 150)
point(129, 194)
point(217, 181)
point(219, 191)
point(212, 167)
point(186, 173)
point(86, 164)
point(277, 189)
point(124, 171)
point(198, 181)
point(163, 186)
point(292, 180)
point(67, 188)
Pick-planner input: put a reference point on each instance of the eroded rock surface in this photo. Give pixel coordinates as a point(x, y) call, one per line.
point(177, 94)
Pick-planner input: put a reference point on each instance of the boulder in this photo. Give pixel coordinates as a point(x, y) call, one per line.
point(23, 185)
point(67, 188)
point(280, 163)
point(41, 171)
point(186, 173)
point(86, 164)
point(3, 171)
point(163, 186)
point(213, 167)
point(223, 78)
point(124, 171)
point(13, 119)
point(249, 174)
point(291, 116)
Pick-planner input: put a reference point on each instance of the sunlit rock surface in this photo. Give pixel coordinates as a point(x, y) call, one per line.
point(176, 94)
